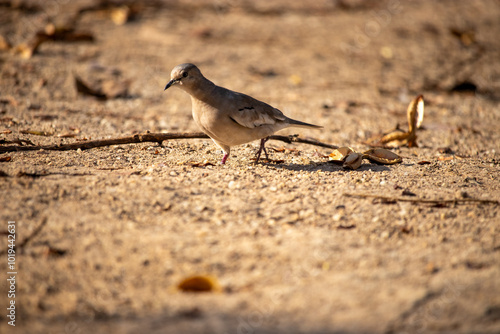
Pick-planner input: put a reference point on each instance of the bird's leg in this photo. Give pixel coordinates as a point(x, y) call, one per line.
point(224, 158)
point(262, 148)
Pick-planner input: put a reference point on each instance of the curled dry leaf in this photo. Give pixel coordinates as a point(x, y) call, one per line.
point(415, 113)
point(398, 137)
point(199, 283)
point(340, 154)
point(382, 156)
point(353, 161)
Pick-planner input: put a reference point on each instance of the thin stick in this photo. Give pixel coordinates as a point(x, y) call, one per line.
point(26, 240)
point(422, 200)
point(143, 138)
point(33, 234)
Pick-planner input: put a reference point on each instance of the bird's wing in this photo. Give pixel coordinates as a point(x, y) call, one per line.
point(251, 113)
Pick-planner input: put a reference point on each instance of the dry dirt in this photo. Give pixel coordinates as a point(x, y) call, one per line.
point(105, 235)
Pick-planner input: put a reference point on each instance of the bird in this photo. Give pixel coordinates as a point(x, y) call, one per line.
point(229, 118)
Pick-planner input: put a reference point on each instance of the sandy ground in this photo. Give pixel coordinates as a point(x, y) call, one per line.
point(105, 235)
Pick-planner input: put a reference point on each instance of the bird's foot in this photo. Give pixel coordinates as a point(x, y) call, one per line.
point(262, 148)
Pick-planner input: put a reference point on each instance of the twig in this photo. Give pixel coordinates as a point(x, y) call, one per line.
point(423, 200)
point(296, 139)
point(26, 240)
point(33, 234)
point(143, 138)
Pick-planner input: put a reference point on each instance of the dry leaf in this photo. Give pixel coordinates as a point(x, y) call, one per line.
point(415, 114)
point(382, 156)
point(199, 283)
point(67, 135)
point(353, 161)
point(120, 15)
point(37, 133)
point(5, 159)
point(346, 227)
point(4, 44)
point(51, 32)
point(340, 154)
point(54, 252)
point(398, 137)
point(75, 129)
point(205, 163)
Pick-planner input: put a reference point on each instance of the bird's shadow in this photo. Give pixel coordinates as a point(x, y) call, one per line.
point(325, 167)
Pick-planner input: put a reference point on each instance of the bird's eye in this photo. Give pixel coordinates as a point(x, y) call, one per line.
point(185, 74)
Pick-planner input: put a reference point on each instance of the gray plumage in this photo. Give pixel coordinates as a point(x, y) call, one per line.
point(229, 118)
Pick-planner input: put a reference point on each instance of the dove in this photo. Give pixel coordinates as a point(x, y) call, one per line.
point(229, 118)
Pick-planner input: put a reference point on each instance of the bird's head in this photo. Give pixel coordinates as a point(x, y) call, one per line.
point(185, 75)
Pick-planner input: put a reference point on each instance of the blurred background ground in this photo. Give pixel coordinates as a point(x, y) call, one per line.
point(113, 230)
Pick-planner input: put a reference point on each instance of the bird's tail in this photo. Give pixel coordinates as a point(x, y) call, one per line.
point(300, 124)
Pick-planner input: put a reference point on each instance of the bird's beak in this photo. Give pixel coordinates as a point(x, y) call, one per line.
point(171, 83)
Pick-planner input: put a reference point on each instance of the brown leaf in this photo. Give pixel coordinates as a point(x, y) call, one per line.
point(415, 113)
point(201, 164)
point(67, 135)
point(75, 129)
point(405, 230)
point(54, 252)
point(346, 227)
point(4, 44)
point(5, 159)
point(466, 37)
point(382, 156)
point(353, 161)
point(37, 133)
point(340, 154)
point(51, 33)
point(120, 15)
point(398, 137)
point(199, 283)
